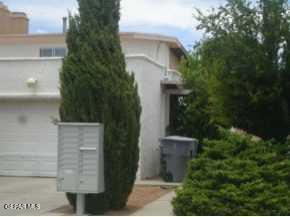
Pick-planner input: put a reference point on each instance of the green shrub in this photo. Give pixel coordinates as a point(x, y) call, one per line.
point(95, 87)
point(236, 175)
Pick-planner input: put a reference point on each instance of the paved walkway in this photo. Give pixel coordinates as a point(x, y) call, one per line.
point(157, 183)
point(42, 191)
point(160, 207)
point(22, 190)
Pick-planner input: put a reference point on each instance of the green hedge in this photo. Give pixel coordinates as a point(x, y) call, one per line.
point(236, 175)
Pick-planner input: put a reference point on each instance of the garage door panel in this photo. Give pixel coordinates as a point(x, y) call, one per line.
point(28, 139)
point(18, 164)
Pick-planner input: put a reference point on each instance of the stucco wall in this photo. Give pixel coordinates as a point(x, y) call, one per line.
point(24, 50)
point(153, 119)
point(157, 50)
point(148, 59)
point(15, 72)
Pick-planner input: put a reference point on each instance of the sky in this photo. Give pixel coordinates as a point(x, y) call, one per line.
point(168, 17)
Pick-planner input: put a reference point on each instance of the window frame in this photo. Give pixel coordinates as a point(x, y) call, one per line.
point(52, 51)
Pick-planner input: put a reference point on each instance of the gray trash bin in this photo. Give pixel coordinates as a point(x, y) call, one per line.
point(175, 153)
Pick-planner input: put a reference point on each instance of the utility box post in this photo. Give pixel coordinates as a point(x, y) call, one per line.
point(80, 204)
point(80, 160)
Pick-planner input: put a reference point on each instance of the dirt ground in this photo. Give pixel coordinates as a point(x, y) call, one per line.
point(141, 196)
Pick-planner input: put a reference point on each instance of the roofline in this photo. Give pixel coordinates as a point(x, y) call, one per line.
point(172, 41)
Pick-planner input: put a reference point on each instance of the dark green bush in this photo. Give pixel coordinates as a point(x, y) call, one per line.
point(236, 175)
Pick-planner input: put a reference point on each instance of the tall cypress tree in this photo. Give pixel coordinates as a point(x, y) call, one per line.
point(95, 87)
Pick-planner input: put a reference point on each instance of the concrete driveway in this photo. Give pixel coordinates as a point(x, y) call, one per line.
point(27, 190)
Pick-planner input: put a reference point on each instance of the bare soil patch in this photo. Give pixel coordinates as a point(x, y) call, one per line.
point(141, 196)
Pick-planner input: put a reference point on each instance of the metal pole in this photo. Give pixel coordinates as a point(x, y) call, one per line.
point(80, 204)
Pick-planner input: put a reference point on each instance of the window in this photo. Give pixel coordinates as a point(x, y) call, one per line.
point(46, 52)
point(53, 52)
point(59, 52)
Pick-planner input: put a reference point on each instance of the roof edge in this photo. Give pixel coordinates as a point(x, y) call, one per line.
point(172, 41)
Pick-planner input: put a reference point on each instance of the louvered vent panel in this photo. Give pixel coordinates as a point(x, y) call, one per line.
point(69, 143)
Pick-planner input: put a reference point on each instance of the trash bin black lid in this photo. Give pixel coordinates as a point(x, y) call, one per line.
point(178, 138)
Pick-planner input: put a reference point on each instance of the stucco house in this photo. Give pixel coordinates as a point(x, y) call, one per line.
point(29, 94)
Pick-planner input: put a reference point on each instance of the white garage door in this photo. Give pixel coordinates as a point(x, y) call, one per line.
point(28, 139)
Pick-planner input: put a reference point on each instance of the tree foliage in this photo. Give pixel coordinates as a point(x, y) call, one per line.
point(95, 87)
point(245, 58)
point(193, 116)
point(236, 175)
point(243, 61)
